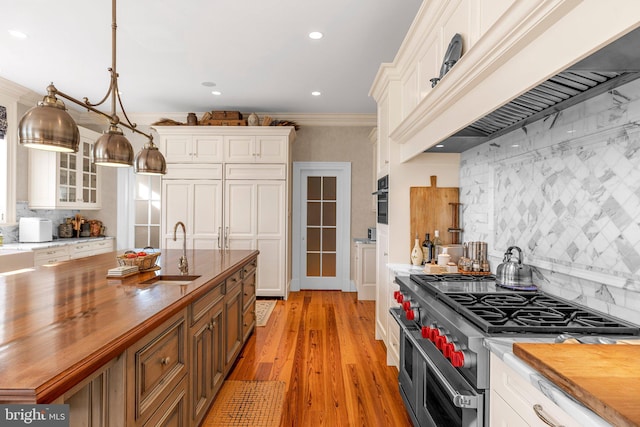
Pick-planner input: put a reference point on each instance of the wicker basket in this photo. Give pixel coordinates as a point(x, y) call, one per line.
point(143, 262)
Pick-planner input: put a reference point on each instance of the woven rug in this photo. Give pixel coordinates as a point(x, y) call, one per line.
point(247, 403)
point(263, 311)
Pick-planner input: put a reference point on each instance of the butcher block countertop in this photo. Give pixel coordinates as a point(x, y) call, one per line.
point(61, 323)
point(604, 377)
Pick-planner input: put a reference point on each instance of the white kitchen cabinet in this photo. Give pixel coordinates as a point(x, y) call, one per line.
point(65, 180)
point(72, 250)
point(197, 204)
point(382, 283)
point(516, 402)
point(256, 148)
point(256, 218)
point(242, 202)
point(190, 148)
point(366, 270)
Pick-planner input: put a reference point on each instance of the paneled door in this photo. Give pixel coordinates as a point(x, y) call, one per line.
point(321, 226)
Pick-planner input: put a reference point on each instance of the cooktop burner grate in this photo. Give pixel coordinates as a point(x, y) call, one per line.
point(532, 313)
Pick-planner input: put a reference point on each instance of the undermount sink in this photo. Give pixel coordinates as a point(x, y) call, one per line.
point(164, 279)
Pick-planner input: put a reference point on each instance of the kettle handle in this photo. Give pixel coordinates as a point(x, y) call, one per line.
point(507, 255)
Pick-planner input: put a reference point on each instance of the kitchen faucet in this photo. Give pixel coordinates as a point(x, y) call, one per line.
point(183, 265)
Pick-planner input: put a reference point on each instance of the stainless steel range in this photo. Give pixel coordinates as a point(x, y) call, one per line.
point(444, 366)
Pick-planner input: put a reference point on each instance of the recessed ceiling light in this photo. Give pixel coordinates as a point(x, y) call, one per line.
point(208, 84)
point(316, 35)
point(216, 92)
point(316, 93)
point(439, 146)
point(17, 34)
point(515, 145)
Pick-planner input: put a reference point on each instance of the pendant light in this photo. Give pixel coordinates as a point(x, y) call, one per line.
point(48, 126)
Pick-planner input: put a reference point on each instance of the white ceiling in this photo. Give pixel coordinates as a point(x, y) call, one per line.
point(256, 52)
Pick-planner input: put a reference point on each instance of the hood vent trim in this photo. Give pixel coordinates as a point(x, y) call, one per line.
point(560, 92)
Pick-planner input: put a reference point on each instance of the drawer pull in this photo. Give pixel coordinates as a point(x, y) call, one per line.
point(165, 361)
point(544, 416)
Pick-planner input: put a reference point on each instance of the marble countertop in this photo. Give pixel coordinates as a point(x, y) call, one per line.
point(57, 242)
point(503, 348)
point(405, 269)
point(364, 240)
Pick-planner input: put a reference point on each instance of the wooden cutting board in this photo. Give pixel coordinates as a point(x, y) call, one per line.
point(430, 210)
point(605, 378)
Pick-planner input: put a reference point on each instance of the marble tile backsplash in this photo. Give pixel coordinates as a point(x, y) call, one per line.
point(57, 217)
point(566, 190)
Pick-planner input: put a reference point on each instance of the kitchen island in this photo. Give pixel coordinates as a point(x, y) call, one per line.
point(65, 324)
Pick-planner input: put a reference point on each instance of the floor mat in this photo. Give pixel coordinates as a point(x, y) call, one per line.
point(247, 403)
point(263, 311)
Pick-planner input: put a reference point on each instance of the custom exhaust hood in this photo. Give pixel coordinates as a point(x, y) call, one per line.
point(612, 66)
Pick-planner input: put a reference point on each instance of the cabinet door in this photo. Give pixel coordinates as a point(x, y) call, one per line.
point(207, 360)
point(239, 148)
point(198, 204)
point(207, 149)
point(87, 179)
point(271, 149)
point(382, 283)
point(255, 214)
point(233, 326)
point(176, 148)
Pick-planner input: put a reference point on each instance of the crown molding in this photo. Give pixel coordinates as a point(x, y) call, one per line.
point(301, 119)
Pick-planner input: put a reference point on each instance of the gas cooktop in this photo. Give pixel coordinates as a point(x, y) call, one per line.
point(497, 310)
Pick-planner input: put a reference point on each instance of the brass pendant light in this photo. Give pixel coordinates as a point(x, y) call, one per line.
point(49, 127)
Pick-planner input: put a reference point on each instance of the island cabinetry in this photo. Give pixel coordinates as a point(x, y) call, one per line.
point(248, 299)
point(515, 402)
point(233, 319)
point(156, 368)
point(65, 180)
point(100, 399)
point(207, 350)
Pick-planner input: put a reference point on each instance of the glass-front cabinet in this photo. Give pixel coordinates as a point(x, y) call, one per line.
point(65, 180)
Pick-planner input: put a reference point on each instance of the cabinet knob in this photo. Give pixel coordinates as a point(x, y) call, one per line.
point(165, 361)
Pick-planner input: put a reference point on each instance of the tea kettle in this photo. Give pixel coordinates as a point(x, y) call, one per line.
point(513, 274)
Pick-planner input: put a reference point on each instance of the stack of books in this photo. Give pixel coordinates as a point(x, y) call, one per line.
point(124, 270)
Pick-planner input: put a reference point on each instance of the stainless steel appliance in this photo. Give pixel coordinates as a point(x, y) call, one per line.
point(383, 200)
point(444, 366)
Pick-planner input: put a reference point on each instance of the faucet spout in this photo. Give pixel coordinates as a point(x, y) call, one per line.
point(183, 265)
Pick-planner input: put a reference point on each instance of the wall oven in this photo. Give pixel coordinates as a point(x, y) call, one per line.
point(383, 200)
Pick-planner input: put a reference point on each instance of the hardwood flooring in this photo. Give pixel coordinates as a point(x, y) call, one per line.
point(322, 345)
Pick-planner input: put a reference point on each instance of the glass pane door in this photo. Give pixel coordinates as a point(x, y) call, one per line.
point(321, 226)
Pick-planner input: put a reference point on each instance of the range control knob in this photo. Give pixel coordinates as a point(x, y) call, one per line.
point(457, 359)
point(463, 359)
point(441, 340)
point(400, 298)
point(448, 349)
point(411, 314)
point(395, 295)
point(406, 305)
point(426, 331)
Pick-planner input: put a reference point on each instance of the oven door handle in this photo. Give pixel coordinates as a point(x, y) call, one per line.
point(460, 400)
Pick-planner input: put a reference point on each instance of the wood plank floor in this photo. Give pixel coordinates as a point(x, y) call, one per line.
point(322, 345)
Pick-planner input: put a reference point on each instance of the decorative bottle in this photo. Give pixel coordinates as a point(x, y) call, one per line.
point(427, 249)
point(416, 252)
point(437, 243)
